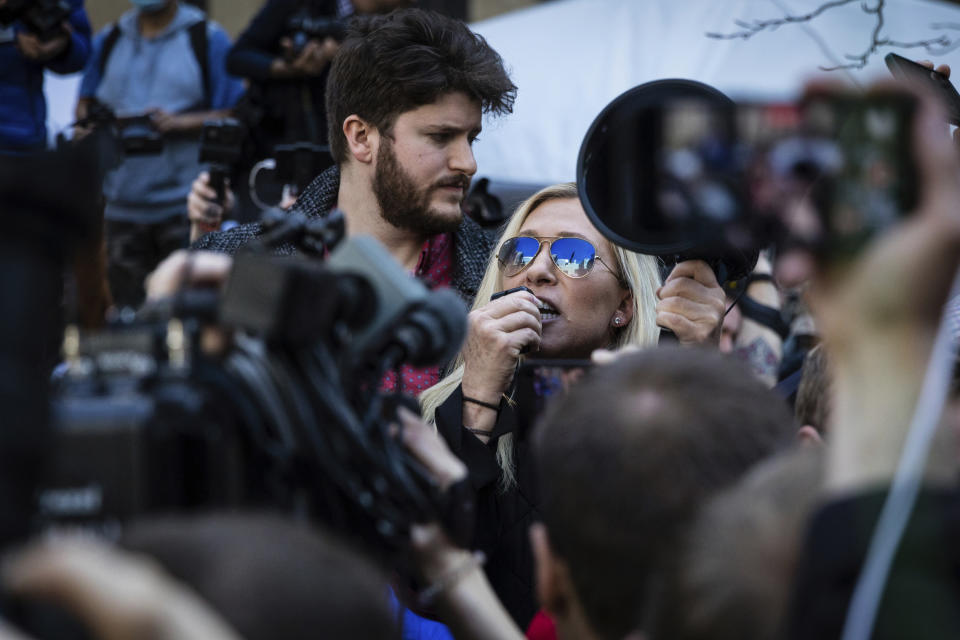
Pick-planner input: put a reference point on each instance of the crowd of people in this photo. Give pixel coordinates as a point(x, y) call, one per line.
point(725, 483)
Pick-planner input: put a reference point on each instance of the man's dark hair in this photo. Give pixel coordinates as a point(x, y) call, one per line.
point(270, 578)
point(390, 64)
point(627, 456)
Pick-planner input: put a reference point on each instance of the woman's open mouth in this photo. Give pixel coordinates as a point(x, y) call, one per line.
point(547, 312)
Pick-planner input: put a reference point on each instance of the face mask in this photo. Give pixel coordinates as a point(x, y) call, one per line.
point(150, 6)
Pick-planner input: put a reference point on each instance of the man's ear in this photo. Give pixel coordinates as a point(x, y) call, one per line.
point(552, 575)
point(361, 138)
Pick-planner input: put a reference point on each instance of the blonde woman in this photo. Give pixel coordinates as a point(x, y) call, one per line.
point(587, 294)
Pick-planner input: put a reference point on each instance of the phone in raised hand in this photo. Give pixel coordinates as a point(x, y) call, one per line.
point(906, 69)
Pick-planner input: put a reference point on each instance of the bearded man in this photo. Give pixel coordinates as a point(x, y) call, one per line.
point(404, 103)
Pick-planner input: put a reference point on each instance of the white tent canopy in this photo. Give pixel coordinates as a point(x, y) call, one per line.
point(569, 58)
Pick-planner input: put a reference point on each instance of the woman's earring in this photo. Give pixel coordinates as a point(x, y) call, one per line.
point(617, 321)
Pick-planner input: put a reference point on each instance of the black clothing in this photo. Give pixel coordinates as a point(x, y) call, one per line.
point(134, 249)
point(259, 44)
point(922, 595)
point(284, 110)
point(472, 244)
point(503, 517)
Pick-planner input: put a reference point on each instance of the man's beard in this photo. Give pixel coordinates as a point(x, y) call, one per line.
point(405, 206)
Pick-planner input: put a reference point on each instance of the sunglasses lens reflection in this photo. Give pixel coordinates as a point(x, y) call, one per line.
point(573, 256)
point(516, 253)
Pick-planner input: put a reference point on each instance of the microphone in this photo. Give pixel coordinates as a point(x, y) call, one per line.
point(432, 331)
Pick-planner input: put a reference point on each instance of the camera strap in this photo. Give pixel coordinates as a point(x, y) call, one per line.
point(762, 314)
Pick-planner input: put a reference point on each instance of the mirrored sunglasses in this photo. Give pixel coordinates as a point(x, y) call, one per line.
point(573, 257)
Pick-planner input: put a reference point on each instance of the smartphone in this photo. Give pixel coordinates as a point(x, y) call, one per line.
point(828, 173)
point(905, 69)
point(873, 183)
point(540, 382)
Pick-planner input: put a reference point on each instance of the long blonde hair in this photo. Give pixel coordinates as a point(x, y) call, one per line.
point(639, 272)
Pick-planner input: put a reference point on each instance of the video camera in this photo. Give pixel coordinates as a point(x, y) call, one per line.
point(290, 416)
point(44, 18)
point(674, 168)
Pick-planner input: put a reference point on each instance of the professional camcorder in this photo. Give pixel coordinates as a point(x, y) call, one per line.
point(674, 168)
point(290, 415)
point(43, 18)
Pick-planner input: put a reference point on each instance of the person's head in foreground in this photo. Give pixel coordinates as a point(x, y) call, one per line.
point(270, 577)
point(623, 462)
point(736, 571)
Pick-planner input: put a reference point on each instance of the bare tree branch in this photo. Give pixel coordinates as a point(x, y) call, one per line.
point(934, 46)
point(752, 28)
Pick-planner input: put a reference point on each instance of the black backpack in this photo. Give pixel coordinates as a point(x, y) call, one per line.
point(198, 42)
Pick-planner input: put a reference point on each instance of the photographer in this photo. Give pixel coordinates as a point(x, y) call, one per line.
point(24, 55)
point(285, 53)
point(163, 61)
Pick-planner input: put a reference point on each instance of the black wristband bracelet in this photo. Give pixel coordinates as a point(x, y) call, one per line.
point(488, 405)
point(759, 277)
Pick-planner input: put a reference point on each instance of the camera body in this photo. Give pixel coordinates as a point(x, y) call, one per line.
point(138, 137)
point(130, 135)
point(299, 163)
point(141, 423)
point(290, 417)
point(304, 27)
point(222, 144)
point(221, 141)
point(44, 18)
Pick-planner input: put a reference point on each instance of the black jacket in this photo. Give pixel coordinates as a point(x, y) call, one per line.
point(921, 598)
point(280, 110)
point(472, 243)
point(503, 517)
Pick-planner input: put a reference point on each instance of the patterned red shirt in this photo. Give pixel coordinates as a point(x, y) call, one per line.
point(435, 269)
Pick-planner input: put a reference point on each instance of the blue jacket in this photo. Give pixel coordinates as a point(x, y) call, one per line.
point(158, 73)
point(23, 110)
